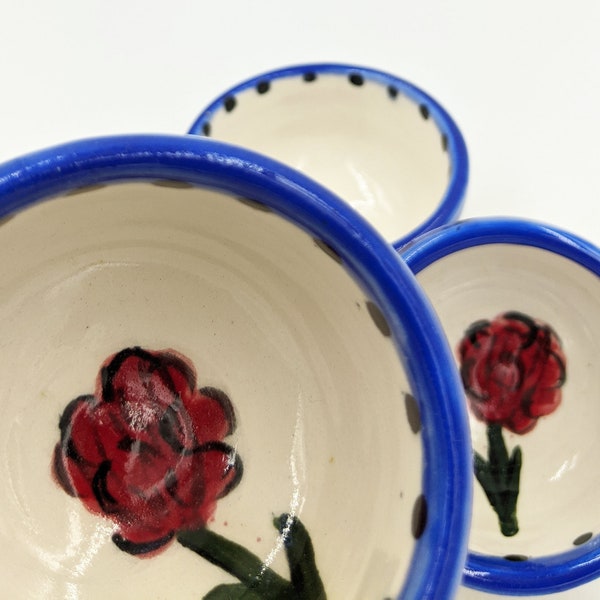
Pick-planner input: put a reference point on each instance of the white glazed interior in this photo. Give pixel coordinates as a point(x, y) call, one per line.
point(560, 481)
point(377, 153)
point(264, 314)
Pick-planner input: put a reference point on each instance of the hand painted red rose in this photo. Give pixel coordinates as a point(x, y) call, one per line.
point(146, 449)
point(512, 370)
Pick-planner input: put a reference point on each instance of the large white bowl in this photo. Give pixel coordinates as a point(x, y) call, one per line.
point(187, 322)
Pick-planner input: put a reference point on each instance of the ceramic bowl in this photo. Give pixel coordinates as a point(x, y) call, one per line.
point(519, 302)
point(217, 378)
point(379, 142)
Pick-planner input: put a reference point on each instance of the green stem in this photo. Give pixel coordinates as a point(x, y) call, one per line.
point(239, 562)
point(499, 477)
point(300, 553)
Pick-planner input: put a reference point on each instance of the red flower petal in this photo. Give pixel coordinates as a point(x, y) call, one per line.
point(512, 369)
point(212, 414)
point(519, 423)
point(147, 450)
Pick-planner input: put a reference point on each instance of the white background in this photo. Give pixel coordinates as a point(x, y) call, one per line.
point(521, 78)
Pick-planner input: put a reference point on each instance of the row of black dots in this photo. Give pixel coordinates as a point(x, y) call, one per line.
point(413, 415)
point(356, 79)
point(420, 510)
point(419, 514)
point(578, 541)
point(393, 92)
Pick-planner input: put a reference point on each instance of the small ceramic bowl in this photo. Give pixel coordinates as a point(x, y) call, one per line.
point(379, 142)
point(218, 380)
point(519, 302)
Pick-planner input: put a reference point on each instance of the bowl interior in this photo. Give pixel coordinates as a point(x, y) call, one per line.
point(267, 315)
point(364, 138)
point(559, 481)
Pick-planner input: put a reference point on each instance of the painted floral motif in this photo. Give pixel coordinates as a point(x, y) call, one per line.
point(147, 451)
point(512, 369)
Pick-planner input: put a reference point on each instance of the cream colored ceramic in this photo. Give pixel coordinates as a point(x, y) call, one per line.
point(153, 331)
point(519, 302)
point(380, 143)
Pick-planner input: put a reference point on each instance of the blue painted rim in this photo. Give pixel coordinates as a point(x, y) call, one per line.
point(440, 552)
point(452, 201)
point(537, 575)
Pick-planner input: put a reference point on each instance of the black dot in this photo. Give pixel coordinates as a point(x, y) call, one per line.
point(328, 250)
point(84, 189)
point(392, 91)
point(309, 76)
point(412, 413)
point(583, 538)
point(206, 129)
point(262, 87)
point(419, 517)
point(173, 183)
point(378, 319)
point(516, 557)
point(356, 79)
point(229, 103)
point(444, 142)
point(424, 111)
point(255, 204)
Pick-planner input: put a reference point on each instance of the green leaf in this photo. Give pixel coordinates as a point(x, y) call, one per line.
point(482, 470)
point(232, 591)
point(497, 452)
point(237, 561)
point(479, 462)
point(300, 554)
point(516, 461)
point(500, 477)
